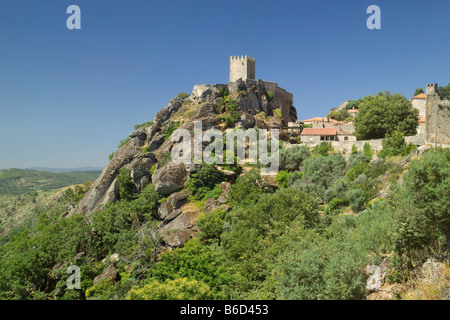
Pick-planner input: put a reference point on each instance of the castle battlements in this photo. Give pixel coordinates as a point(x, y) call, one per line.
point(242, 67)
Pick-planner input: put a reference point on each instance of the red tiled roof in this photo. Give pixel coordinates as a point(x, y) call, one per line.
point(319, 132)
point(420, 96)
point(422, 120)
point(319, 119)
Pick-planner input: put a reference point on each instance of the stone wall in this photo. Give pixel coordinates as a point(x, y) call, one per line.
point(242, 68)
point(345, 147)
point(441, 108)
point(254, 100)
point(420, 104)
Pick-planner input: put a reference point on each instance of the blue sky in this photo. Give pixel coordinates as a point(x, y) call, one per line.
point(67, 97)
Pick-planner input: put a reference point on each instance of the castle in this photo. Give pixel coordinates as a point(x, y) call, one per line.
point(242, 67)
point(437, 117)
point(260, 96)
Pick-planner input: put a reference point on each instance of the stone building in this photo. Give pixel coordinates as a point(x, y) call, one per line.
point(437, 117)
point(317, 135)
point(242, 67)
point(419, 102)
point(242, 74)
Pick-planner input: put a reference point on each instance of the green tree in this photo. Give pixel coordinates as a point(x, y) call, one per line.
point(210, 224)
point(323, 149)
point(126, 185)
point(444, 92)
point(291, 159)
point(423, 203)
point(418, 91)
point(320, 174)
point(383, 114)
point(248, 188)
point(204, 180)
point(367, 150)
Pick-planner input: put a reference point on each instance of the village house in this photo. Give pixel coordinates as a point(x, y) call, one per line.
point(317, 135)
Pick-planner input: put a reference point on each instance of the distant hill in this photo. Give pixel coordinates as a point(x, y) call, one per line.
point(20, 181)
point(66, 170)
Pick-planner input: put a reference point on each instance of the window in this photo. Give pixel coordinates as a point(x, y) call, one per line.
point(346, 138)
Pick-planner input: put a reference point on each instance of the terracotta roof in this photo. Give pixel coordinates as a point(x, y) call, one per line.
point(422, 120)
point(319, 132)
point(319, 119)
point(420, 96)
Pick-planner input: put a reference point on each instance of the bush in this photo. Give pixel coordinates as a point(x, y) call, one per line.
point(395, 145)
point(204, 180)
point(183, 95)
point(210, 225)
point(321, 173)
point(145, 124)
point(248, 187)
point(336, 203)
point(323, 149)
point(282, 179)
point(123, 142)
point(171, 129)
point(357, 199)
point(367, 151)
point(126, 185)
point(178, 289)
point(291, 159)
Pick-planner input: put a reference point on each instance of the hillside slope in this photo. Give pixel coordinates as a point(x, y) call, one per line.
point(20, 181)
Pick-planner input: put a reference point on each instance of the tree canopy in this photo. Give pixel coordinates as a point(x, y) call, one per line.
point(383, 114)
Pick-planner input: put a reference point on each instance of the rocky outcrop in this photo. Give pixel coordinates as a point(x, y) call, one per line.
point(182, 228)
point(253, 97)
point(174, 202)
point(100, 192)
point(109, 274)
point(169, 178)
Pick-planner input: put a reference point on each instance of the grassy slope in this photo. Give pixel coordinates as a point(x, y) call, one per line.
point(19, 181)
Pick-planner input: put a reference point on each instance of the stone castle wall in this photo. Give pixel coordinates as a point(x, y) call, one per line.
point(242, 67)
point(441, 108)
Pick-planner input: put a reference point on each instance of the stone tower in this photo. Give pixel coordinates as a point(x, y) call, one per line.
point(432, 88)
point(242, 67)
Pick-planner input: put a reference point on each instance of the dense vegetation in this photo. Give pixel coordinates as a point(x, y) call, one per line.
point(19, 181)
point(384, 114)
point(309, 239)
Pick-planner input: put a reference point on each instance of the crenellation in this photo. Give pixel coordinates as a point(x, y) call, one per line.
point(242, 67)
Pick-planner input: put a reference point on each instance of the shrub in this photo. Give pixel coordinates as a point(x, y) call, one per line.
point(204, 180)
point(145, 124)
point(367, 150)
point(248, 187)
point(126, 185)
point(172, 127)
point(291, 159)
point(183, 95)
point(282, 179)
point(323, 149)
point(321, 173)
point(178, 289)
point(123, 142)
point(210, 225)
point(336, 203)
point(357, 199)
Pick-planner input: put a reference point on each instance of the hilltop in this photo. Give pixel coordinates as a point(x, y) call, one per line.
point(21, 181)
